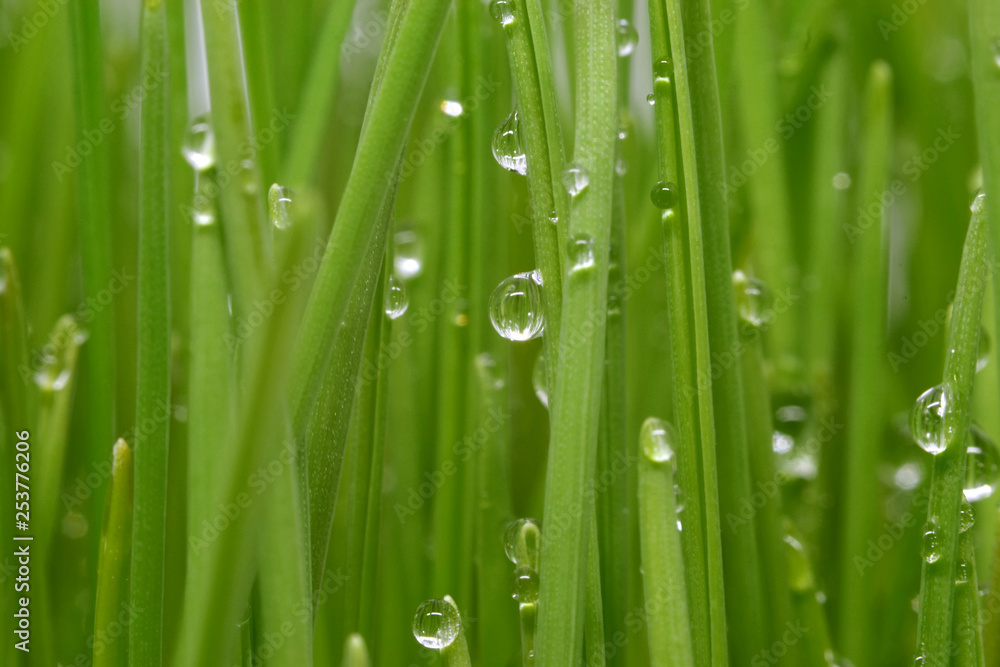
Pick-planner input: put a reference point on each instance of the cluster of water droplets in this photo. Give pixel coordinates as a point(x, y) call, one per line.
point(516, 307)
point(436, 623)
point(507, 148)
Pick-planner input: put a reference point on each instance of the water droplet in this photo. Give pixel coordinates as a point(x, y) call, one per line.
point(663, 70)
point(931, 423)
point(248, 177)
point(74, 525)
point(842, 180)
point(931, 542)
point(528, 552)
point(407, 254)
point(982, 467)
point(581, 252)
point(627, 38)
point(753, 299)
point(664, 195)
point(507, 145)
point(279, 206)
point(575, 179)
point(985, 345)
point(452, 108)
point(203, 211)
point(651, 99)
point(996, 54)
point(658, 438)
point(908, 476)
point(800, 573)
point(396, 298)
point(539, 381)
point(502, 11)
point(436, 623)
point(966, 516)
point(525, 585)
point(621, 167)
point(962, 572)
point(516, 307)
point(199, 144)
point(58, 357)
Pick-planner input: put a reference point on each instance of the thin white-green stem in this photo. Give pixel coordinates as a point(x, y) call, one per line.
point(113, 560)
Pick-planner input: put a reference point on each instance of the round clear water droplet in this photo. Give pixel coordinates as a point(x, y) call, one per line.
point(436, 623)
point(396, 298)
point(664, 195)
point(753, 299)
point(966, 516)
point(279, 206)
point(407, 255)
point(931, 422)
point(842, 180)
point(528, 553)
point(502, 11)
point(627, 38)
point(651, 99)
point(931, 545)
point(658, 439)
point(985, 347)
point(507, 145)
point(539, 381)
point(663, 70)
point(581, 252)
point(575, 179)
point(982, 467)
point(516, 307)
point(525, 585)
point(198, 147)
point(451, 108)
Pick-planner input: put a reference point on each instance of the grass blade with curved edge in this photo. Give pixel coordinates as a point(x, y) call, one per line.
point(575, 403)
point(669, 626)
point(937, 584)
point(113, 561)
point(867, 373)
point(153, 327)
point(456, 654)
point(355, 652)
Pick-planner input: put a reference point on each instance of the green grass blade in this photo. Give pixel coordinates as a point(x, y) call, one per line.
point(934, 626)
point(575, 403)
point(153, 384)
point(355, 652)
point(113, 562)
point(968, 626)
point(456, 654)
point(669, 626)
point(867, 373)
point(593, 615)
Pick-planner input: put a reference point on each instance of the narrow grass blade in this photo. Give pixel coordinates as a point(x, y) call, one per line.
point(456, 654)
point(575, 402)
point(355, 652)
point(593, 615)
point(815, 649)
point(968, 627)
point(934, 626)
point(867, 373)
point(669, 625)
point(113, 562)
point(153, 384)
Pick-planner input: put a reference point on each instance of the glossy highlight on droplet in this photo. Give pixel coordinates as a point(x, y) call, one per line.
point(516, 307)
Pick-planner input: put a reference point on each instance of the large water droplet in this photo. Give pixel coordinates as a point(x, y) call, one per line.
point(575, 179)
point(396, 298)
point(502, 11)
point(753, 299)
point(982, 467)
point(627, 37)
point(931, 422)
point(581, 252)
point(507, 145)
point(527, 553)
point(658, 440)
point(407, 253)
point(525, 585)
point(539, 381)
point(198, 147)
point(664, 195)
point(516, 307)
point(279, 206)
point(931, 545)
point(436, 623)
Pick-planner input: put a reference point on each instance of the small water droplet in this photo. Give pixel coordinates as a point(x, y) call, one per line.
point(663, 70)
point(279, 206)
point(539, 381)
point(436, 623)
point(198, 147)
point(962, 572)
point(528, 553)
point(452, 108)
point(396, 298)
point(985, 347)
point(575, 179)
point(982, 467)
point(525, 585)
point(664, 195)
point(502, 11)
point(753, 299)
point(507, 145)
point(56, 368)
point(74, 525)
point(931, 546)
point(407, 253)
point(931, 423)
point(621, 167)
point(658, 438)
point(627, 38)
point(966, 516)
point(516, 307)
point(248, 177)
point(581, 252)
point(203, 211)
point(908, 476)
point(842, 180)
point(651, 99)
